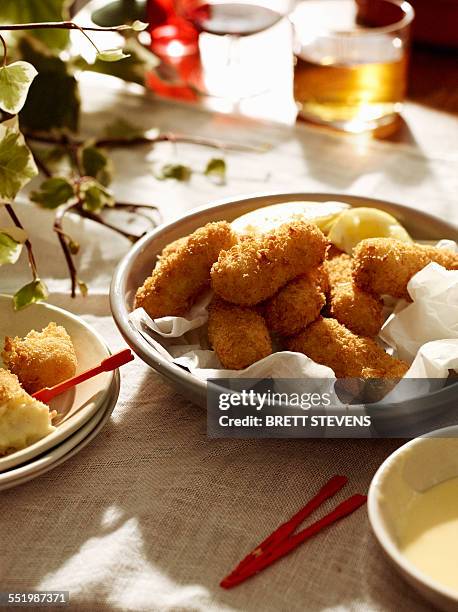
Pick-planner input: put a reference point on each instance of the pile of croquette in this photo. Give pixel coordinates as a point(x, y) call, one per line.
point(291, 285)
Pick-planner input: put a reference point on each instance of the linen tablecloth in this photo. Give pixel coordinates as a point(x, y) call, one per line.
point(152, 514)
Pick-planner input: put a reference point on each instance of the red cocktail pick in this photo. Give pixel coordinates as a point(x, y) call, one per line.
point(110, 363)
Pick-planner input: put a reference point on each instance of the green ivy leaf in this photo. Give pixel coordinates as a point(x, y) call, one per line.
point(179, 172)
point(120, 128)
point(97, 164)
point(216, 167)
point(17, 166)
point(132, 69)
point(15, 81)
point(53, 100)
point(112, 55)
point(9, 249)
point(53, 192)
point(30, 11)
point(94, 196)
point(83, 288)
point(57, 159)
point(139, 26)
point(11, 242)
point(74, 246)
point(36, 291)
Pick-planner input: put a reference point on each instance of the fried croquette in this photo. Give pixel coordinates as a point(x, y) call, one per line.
point(23, 419)
point(297, 304)
point(238, 335)
point(330, 343)
point(41, 359)
point(9, 386)
point(338, 266)
point(183, 271)
point(173, 247)
point(360, 311)
point(385, 266)
point(255, 269)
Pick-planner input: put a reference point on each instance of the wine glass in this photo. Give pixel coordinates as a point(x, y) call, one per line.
point(228, 18)
point(235, 72)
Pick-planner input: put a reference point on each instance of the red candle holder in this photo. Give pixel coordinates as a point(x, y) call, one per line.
point(176, 42)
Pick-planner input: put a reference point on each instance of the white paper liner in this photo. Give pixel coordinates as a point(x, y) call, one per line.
point(432, 316)
point(424, 333)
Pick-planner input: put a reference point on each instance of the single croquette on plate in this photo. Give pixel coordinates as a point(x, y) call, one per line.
point(41, 359)
point(23, 419)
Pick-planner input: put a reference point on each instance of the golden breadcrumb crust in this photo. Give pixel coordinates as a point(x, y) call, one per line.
point(9, 386)
point(174, 246)
point(41, 359)
point(328, 342)
point(256, 268)
point(238, 335)
point(338, 266)
point(385, 266)
point(183, 271)
point(360, 311)
point(297, 304)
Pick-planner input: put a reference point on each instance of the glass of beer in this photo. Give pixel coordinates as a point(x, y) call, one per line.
point(351, 56)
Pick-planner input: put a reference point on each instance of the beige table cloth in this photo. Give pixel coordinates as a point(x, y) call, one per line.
point(151, 515)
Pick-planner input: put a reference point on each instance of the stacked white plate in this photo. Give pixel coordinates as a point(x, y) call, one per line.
point(81, 412)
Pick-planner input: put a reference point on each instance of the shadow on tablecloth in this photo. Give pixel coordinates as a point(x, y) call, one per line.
point(152, 514)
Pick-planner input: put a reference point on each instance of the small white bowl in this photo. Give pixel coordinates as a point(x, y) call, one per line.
point(415, 467)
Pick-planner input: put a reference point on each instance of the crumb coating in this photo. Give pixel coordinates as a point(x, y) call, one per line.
point(41, 359)
point(330, 343)
point(238, 335)
point(183, 271)
point(297, 304)
point(9, 386)
point(384, 266)
point(360, 311)
point(255, 269)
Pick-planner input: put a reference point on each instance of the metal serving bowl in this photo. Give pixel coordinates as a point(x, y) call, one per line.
point(139, 262)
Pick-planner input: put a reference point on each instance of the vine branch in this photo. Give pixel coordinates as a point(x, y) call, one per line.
point(28, 245)
point(95, 217)
point(151, 140)
point(61, 25)
point(5, 51)
point(63, 239)
point(88, 38)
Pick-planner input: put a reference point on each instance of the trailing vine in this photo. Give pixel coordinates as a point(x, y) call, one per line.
point(39, 119)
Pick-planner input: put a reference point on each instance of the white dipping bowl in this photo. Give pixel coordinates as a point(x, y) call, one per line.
point(413, 468)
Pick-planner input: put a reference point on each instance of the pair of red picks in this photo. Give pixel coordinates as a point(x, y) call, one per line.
point(282, 541)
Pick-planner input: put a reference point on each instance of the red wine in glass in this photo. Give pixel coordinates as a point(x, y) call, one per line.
point(232, 18)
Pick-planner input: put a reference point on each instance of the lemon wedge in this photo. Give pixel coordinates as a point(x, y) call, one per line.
point(268, 218)
point(356, 224)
